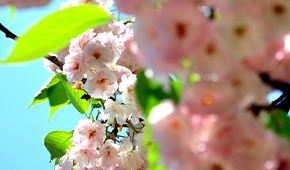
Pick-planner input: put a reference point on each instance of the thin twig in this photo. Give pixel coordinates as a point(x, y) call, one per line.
point(8, 33)
point(11, 35)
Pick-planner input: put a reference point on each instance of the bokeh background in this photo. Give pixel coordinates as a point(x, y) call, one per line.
point(22, 130)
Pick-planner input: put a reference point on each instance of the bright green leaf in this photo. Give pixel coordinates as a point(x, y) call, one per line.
point(41, 95)
point(56, 161)
point(97, 103)
point(57, 98)
point(55, 31)
point(149, 93)
point(279, 122)
point(81, 105)
point(53, 91)
point(57, 143)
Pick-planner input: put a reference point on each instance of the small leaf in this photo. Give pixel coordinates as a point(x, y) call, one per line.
point(279, 122)
point(12, 11)
point(149, 93)
point(53, 91)
point(41, 95)
point(97, 103)
point(56, 161)
point(57, 98)
point(55, 31)
point(57, 143)
point(81, 105)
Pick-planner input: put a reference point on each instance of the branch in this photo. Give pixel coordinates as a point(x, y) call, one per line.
point(8, 33)
point(55, 61)
point(283, 101)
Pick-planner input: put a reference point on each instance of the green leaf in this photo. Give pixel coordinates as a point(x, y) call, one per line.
point(41, 95)
point(57, 98)
point(97, 103)
point(56, 161)
point(176, 89)
point(12, 11)
point(55, 31)
point(81, 105)
point(279, 122)
point(57, 143)
point(53, 91)
point(149, 93)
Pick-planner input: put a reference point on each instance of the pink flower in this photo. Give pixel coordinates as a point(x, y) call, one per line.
point(109, 155)
point(57, 167)
point(130, 6)
point(276, 14)
point(120, 71)
point(130, 159)
point(241, 33)
point(77, 44)
point(75, 67)
point(89, 134)
point(208, 57)
point(129, 58)
point(102, 51)
point(115, 110)
point(84, 156)
point(206, 97)
point(101, 83)
point(167, 36)
point(66, 162)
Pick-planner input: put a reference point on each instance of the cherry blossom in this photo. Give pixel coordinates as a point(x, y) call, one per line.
point(109, 157)
point(101, 83)
point(75, 67)
point(89, 134)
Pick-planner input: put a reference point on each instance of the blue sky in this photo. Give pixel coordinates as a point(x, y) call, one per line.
point(22, 131)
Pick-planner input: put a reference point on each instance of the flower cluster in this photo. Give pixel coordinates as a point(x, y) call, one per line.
point(104, 62)
point(236, 48)
point(95, 150)
point(228, 44)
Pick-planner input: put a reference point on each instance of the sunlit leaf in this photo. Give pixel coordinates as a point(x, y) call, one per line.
point(81, 105)
point(54, 91)
point(57, 98)
point(55, 31)
point(57, 143)
point(149, 93)
point(41, 95)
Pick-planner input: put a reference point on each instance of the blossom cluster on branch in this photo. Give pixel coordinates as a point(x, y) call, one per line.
point(228, 55)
